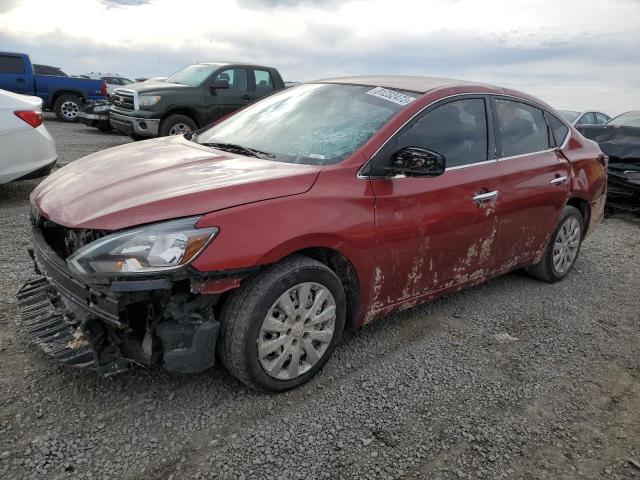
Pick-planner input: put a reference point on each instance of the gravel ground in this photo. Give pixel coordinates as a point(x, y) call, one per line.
point(511, 379)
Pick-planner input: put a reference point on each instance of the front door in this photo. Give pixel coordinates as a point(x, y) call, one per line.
point(534, 178)
point(223, 101)
point(433, 233)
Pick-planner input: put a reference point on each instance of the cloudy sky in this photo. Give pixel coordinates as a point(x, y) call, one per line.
point(572, 53)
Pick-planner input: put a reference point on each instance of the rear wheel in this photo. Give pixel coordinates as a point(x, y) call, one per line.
point(177, 125)
point(563, 249)
point(280, 327)
point(67, 107)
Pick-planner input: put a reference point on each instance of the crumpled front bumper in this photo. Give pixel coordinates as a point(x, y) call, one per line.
point(50, 327)
point(55, 309)
point(88, 325)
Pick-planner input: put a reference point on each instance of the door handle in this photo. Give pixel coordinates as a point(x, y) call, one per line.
point(558, 180)
point(19, 80)
point(246, 97)
point(485, 197)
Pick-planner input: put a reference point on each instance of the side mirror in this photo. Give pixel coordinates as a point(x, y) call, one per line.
point(417, 162)
point(218, 84)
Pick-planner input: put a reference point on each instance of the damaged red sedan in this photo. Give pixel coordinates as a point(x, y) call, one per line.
point(260, 239)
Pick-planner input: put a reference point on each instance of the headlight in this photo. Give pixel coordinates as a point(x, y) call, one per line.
point(154, 248)
point(148, 100)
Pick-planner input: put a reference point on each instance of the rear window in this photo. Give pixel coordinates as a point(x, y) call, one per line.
point(570, 115)
point(11, 64)
point(522, 128)
point(264, 82)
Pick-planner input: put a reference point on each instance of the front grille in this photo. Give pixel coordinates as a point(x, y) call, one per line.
point(123, 99)
point(62, 240)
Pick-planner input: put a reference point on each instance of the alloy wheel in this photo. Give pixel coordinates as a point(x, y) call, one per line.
point(566, 246)
point(70, 109)
point(297, 331)
point(179, 129)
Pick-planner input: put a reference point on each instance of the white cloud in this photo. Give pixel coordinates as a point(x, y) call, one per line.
point(570, 52)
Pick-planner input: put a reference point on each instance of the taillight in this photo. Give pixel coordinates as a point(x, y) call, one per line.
point(32, 117)
point(104, 88)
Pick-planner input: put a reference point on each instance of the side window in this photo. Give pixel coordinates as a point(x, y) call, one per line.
point(11, 64)
point(586, 119)
point(237, 78)
point(457, 130)
point(264, 82)
point(558, 129)
point(522, 128)
point(601, 119)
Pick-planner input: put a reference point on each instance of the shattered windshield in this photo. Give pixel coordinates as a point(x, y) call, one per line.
point(629, 119)
point(312, 123)
point(192, 75)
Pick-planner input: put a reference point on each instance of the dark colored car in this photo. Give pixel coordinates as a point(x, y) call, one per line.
point(317, 209)
point(620, 140)
point(64, 95)
point(190, 99)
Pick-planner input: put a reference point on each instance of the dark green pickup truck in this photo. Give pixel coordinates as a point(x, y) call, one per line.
point(189, 99)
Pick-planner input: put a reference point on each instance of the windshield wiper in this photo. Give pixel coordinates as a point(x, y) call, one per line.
point(233, 148)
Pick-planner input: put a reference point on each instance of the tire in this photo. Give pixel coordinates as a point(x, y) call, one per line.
point(244, 332)
point(136, 138)
point(177, 125)
point(66, 107)
point(550, 271)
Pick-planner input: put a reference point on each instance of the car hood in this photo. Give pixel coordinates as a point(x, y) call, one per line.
point(162, 179)
point(144, 87)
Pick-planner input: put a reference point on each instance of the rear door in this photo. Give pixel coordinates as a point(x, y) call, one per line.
point(534, 179)
point(432, 233)
point(14, 76)
point(224, 101)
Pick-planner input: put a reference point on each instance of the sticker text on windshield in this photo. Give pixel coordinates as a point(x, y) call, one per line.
point(395, 97)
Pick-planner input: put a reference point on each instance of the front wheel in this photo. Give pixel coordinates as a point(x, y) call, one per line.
point(280, 327)
point(563, 249)
point(177, 125)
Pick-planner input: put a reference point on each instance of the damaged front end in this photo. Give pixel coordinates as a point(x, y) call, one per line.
point(623, 186)
point(107, 322)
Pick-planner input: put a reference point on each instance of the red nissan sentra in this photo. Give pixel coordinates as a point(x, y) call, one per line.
point(317, 209)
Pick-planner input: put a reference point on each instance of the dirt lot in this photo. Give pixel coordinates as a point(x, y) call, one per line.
point(512, 379)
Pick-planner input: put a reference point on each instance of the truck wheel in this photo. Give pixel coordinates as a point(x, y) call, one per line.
point(67, 107)
point(563, 248)
point(281, 326)
point(177, 125)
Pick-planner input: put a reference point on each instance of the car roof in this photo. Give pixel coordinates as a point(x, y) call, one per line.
point(400, 82)
point(222, 64)
point(582, 111)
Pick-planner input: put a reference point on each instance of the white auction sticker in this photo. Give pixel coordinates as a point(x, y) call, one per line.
point(395, 97)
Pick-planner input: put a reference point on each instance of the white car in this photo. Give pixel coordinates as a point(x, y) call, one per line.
point(113, 80)
point(584, 117)
point(27, 150)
